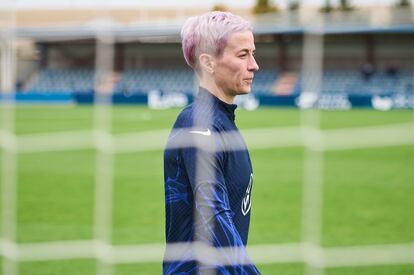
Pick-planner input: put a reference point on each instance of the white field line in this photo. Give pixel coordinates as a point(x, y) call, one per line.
point(263, 138)
point(365, 137)
point(391, 254)
point(370, 255)
point(48, 142)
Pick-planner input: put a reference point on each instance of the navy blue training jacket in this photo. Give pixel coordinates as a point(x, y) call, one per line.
point(208, 180)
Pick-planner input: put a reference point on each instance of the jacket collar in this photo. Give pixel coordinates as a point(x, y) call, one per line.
point(228, 109)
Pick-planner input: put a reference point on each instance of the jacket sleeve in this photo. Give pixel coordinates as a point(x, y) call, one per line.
point(213, 218)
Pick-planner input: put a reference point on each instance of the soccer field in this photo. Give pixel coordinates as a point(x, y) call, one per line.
point(367, 192)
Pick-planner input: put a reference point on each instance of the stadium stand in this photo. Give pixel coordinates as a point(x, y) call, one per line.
point(135, 81)
point(352, 82)
point(264, 80)
point(145, 80)
point(62, 81)
point(142, 81)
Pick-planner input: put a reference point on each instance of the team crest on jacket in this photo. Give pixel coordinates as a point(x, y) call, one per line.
point(247, 200)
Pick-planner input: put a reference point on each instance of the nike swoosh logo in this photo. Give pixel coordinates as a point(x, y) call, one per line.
point(204, 133)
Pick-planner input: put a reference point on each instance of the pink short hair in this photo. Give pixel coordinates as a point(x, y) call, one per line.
point(208, 33)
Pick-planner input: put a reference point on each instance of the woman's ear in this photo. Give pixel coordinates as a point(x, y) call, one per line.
point(207, 63)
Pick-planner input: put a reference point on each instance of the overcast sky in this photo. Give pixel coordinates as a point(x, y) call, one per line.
point(34, 4)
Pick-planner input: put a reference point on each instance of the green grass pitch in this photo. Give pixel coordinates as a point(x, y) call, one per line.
point(367, 200)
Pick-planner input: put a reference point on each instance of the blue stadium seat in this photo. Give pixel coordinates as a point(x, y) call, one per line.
point(142, 81)
point(62, 81)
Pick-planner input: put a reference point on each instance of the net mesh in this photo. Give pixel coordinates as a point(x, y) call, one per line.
point(309, 135)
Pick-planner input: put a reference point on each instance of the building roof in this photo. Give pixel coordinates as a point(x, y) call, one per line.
point(165, 25)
